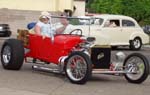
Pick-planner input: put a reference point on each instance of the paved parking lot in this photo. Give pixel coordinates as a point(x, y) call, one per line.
point(30, 82)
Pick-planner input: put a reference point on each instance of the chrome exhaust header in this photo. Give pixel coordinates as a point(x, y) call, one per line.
point(108, 71)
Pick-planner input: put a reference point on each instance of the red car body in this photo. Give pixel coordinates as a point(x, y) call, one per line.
point(49, 51)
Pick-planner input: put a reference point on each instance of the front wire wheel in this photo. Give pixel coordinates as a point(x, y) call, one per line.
point(78, 68)
point(137, 68)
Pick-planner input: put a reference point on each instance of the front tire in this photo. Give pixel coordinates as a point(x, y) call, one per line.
point(78, 68)
point(137, 67)
point(12, 54)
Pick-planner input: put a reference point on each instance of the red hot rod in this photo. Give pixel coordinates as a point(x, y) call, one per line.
point(75, 55)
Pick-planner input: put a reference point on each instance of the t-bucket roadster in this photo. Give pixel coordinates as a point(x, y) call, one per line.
point(75, 55)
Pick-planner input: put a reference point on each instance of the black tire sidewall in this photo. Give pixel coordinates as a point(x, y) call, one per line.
point(17, 54)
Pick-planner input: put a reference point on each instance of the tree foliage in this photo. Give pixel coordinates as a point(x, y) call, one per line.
point(138, 9)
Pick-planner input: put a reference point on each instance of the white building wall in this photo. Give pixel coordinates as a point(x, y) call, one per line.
point(40, 5)
point(80, 8)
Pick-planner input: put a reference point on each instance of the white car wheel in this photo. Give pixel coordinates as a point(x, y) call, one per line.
point(136, 44)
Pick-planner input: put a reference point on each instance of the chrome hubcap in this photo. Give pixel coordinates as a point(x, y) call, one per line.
point(76, 68)
point(137, 43)
point(6, 55)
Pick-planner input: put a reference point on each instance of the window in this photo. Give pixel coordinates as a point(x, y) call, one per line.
point(112, 23)
point(127, 23)
point(98, 21)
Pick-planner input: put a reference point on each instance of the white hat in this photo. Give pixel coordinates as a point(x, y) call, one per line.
point(45, 14)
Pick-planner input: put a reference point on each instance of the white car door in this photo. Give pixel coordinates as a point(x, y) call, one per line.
point(113, 30)
point(128, 28)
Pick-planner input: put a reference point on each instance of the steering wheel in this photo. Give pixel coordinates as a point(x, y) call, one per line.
point(76, 32)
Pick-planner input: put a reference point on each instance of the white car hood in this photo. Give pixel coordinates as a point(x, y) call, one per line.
point(100, 39)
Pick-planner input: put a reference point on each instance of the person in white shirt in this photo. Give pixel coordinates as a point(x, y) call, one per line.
point(44, 27)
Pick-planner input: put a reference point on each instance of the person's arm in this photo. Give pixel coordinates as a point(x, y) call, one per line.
point(64, 22)
point(60, 30)
point(37, 30)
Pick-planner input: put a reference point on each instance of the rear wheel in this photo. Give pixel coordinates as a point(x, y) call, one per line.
point(137, 67)
point(136, 44)
point(12, 54)
point(78, 68)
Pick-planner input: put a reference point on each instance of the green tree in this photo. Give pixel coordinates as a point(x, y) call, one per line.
point(138, 9)
point(104, 6)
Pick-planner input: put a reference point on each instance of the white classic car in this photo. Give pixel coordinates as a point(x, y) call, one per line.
point(114, 30)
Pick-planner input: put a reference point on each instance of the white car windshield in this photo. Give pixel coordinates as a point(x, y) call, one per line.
point(97, 21)
point(86, 21)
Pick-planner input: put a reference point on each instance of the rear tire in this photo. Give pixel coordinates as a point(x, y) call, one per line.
point(78, 68)
point(136, 44)
point(138, 64)
point(12, 54)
